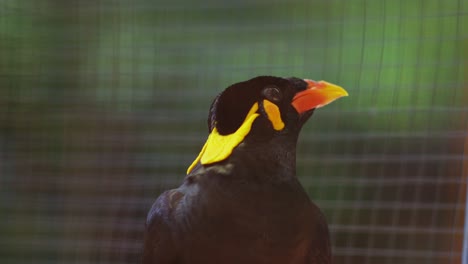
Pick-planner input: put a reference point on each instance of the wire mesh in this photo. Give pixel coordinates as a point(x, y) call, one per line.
point(103, 106)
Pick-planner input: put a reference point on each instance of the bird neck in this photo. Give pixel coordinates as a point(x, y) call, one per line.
point(274, 159)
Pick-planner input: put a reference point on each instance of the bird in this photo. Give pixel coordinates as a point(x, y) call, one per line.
point(240, 201)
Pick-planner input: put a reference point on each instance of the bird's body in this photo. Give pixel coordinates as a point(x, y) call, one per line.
point(247, 208)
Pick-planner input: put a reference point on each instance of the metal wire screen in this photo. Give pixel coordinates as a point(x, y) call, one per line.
point(103, 106)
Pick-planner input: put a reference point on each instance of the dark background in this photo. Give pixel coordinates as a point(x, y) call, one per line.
point(103, 106)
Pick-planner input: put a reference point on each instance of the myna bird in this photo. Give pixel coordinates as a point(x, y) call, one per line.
point(241, 201)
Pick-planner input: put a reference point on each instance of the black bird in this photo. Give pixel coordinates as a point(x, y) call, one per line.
point(241, 201)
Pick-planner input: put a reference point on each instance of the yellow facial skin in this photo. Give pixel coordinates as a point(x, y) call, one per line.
point(273, 114)
point(219, 147)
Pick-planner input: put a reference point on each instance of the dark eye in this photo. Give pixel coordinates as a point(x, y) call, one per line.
point(272, 93)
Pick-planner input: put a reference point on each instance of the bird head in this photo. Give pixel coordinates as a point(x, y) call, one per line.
point(261, 111)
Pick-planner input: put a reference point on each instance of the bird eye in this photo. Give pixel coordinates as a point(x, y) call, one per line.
point(272, 94)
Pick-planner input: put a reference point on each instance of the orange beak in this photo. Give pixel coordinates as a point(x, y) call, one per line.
point(316, 95)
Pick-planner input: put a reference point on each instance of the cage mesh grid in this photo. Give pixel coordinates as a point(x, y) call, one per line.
point(104, 103)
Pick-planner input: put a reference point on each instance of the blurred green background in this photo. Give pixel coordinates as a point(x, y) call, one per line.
point(103, 106)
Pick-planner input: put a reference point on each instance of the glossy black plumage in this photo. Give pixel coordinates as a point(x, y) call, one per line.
point(249, 208)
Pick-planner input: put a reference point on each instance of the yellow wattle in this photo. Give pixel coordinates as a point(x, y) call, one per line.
point(218, 147)
point(273, 114)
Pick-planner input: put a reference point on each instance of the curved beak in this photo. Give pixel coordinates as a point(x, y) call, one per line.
point(317, 94)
